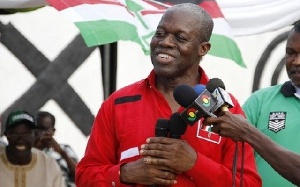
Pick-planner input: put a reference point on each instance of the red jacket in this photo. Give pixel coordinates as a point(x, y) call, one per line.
point(128, 117)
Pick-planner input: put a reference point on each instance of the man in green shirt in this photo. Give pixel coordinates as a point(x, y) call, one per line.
point(274, 111)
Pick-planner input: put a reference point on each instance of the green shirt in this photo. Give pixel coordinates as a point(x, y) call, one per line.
point(275, 111)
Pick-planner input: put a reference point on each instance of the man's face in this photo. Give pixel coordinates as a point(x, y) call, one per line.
point(20, 138)
point(45, 124)
point(292, 57)
point(46, 131)
point(175, 46)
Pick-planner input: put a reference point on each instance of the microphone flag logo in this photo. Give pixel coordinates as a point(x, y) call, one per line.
point(200, 107)
point(205, 100)
point(191, 114)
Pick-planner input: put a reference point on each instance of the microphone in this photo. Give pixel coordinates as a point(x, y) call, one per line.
point(172, 128)
point(195, 106)
point(162, 127)
point(217, 88)
point(199, 88)
point(177, 126)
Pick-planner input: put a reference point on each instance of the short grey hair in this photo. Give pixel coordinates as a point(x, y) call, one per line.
point(200, 16)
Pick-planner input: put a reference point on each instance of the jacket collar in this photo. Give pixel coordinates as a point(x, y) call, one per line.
point(288, 89)
point(203, 78)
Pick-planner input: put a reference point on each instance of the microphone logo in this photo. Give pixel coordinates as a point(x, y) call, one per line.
point(205, 100)
point(197, 106)
point(201, 107)
point(191, 114)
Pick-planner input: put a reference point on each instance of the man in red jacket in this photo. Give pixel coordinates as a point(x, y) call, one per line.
point(123, 150)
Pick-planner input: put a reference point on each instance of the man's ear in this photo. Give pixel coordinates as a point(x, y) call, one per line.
point(204, 47)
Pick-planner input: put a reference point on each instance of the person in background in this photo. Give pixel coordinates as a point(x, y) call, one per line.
point(20, 163)
point(122, 149)
point(274, 111)
point(2, 142)
point(63, 154)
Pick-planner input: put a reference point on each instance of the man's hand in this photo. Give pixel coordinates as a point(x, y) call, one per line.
point(138, 172)
point(56, 147)
point(175, 154)
point(45, 139)
point(234, 126)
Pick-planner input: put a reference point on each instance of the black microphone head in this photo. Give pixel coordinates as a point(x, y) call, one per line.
point(162, 127)
point(217, 87)
point(184, 95)
point(177, 125)
point(214, 83)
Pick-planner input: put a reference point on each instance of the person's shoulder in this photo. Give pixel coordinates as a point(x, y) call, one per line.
point(263, 94)
point(269, 89)
point(45, 160)
point(68, 149)
point(132, 91)
point(134, 87)
point(41, 155)
point(2, 150)
point(38, 152)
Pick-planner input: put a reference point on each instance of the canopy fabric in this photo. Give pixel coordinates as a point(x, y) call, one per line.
point(250, 17)
point(106, 21)
point(245, 17)
point(137, 19)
